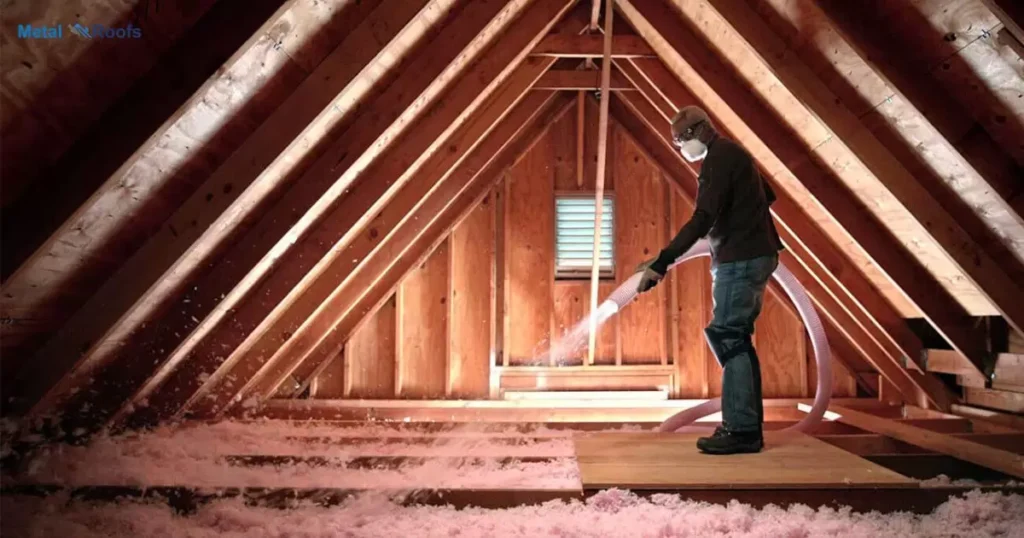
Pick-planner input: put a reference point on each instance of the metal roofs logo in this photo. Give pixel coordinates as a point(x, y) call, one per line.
point(96, 31)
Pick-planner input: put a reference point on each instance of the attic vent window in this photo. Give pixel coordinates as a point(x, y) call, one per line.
point(574, 237)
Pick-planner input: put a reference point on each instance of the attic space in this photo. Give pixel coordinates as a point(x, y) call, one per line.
point(511, 268)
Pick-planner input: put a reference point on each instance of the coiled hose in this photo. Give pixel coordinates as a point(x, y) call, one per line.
point(626, 292)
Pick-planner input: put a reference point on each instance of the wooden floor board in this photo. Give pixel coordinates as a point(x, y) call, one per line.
point(666, 460)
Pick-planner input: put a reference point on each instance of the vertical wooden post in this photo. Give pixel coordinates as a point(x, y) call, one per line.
point(502, 268)
point(602, 154)
point(580, 123)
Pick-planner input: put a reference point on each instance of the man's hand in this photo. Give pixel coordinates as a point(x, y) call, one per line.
point(649, 280)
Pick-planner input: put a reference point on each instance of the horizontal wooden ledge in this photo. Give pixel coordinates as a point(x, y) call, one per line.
point(591, 46)
point(565, 79)
point(870, 444)
point(525, 411)
point(1003, 420)
point(602, 395)
point(1008, 368)
point(866, 404)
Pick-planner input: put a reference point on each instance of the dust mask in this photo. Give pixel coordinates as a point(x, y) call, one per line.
point(693, 150)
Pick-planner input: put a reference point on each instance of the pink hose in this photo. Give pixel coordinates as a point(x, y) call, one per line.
point(626, 292)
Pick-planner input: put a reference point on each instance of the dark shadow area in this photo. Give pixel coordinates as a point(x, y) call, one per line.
point(59, 190)
point(162, 204)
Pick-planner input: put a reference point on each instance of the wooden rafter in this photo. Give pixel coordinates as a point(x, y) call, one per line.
point(638, 119)
point(564, 79)
point(481, 170)
point(690, 58)
point(279, 245)
point(124, 315)
point(422, 238)
point(807, 250)
point(489, 72)
point(956, 227)
point(602, 159)
point(592, 46)
point(1011, 14)
point(849, 286)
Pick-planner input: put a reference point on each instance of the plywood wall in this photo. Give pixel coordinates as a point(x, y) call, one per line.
point(487, 296)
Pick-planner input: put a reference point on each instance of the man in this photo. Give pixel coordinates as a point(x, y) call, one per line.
point(732, 211)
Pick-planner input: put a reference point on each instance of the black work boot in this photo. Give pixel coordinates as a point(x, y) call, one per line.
point(726, 442)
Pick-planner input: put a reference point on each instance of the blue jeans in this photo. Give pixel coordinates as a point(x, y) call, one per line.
point(738, 293)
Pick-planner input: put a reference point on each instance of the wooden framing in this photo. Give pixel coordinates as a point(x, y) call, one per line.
point(860, 298)
point(260, 70)
point(602, 159)
point(955, 226)
point(370, 143)
point(727, 96)
point(336, 218)
point(986, 456)
point(913, 386)
point(1011, 14)
point(493, 148)
point(493, 68)
point(564, 79)
point(592, 46)
point(415, 250)
point(178, 257)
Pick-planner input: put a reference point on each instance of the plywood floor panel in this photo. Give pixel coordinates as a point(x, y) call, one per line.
point(671, 460)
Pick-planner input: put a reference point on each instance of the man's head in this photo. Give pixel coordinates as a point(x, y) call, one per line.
point(691, 132)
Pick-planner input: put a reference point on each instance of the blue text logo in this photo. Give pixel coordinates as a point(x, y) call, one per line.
point(95, 31)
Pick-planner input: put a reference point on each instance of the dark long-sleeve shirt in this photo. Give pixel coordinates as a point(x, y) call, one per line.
point(731, 210)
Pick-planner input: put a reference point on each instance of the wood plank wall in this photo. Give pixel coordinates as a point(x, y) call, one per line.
point(434, 339)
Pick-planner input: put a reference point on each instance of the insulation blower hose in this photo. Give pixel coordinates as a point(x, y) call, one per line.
point(626, 292)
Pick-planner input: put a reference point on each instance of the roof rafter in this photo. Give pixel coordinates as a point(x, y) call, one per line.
point(112, 325)
point(833, 314)
point(955, 226)
point(689, 58)
point(489, 72)
point(444, 210)
point(238, 284)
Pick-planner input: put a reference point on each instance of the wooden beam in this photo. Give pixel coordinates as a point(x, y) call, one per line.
point(872, 444)
point(413, 243)
point(855, 333)
point(806, 239)
point(997, 418)
point(564, 79)
point(258, 362)
point(993, 458)
point(137, 294)
point(781, 412)
point(756, 126)
point(581, 106)
point(592, 46)
point(1008, 368)
point(1011, 14)
point(637, 118)
point(281, 242)
point(1002, 400)
point(54, 90)
point(956, 228)
point(422, 207)
point(602, 159)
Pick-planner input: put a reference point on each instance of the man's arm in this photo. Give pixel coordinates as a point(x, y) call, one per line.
point(710, 198)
